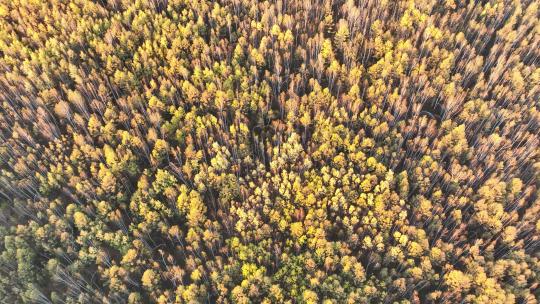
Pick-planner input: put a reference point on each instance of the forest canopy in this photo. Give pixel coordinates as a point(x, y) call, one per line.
point(290, 151)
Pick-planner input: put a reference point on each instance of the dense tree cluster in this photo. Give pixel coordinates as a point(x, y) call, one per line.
point(290, 151)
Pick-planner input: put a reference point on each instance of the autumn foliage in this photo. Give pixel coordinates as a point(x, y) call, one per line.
point(290, 151)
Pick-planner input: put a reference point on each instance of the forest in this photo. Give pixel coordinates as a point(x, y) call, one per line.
point(270, 151)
